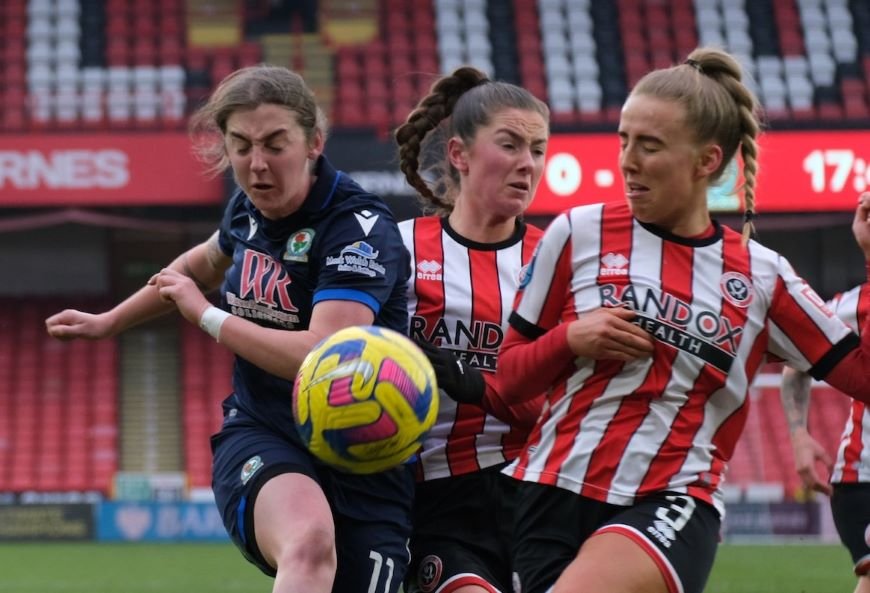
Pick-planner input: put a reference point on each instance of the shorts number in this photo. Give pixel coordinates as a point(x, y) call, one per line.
point(677, 515)
point(376, 572)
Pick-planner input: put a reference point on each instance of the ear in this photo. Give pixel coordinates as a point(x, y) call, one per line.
point(709, 160)
point(457, 154)
point(316, 147)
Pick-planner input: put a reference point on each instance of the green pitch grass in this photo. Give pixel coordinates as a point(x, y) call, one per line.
point(127, 568)
point(794, 568)
point(219, 568)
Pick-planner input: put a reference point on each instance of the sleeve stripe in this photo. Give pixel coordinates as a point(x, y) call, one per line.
point(345, 294)
point(528, 330)
point(821, 369)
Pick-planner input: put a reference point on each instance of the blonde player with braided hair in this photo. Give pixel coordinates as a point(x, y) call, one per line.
point(620, 477)
point(480, 145)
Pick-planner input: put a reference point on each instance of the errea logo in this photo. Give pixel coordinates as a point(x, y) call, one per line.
point(663, 532)
point(613, 264)
point(429, 269)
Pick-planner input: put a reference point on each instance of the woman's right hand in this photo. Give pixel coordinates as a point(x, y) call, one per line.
point(71, 324)
point(608, 333)
point(861, 224)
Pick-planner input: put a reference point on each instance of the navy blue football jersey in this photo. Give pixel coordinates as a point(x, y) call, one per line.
point(342, 244)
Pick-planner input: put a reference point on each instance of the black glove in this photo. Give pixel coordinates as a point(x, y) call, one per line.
point(461, 381)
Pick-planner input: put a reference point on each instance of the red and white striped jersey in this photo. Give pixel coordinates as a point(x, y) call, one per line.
point(615, 431)
point(460, 296)
point(853, 455)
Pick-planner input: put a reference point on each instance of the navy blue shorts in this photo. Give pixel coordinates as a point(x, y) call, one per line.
point(462, 532)
point(680, 534)
point(850, 505)
point(372, 513)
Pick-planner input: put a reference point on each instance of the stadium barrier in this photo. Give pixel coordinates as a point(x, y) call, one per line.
point(199, 521)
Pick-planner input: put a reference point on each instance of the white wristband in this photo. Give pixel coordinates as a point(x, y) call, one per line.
point(211, 321)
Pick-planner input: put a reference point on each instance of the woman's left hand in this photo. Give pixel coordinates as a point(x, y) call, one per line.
point(182, 290)
point(808, 451)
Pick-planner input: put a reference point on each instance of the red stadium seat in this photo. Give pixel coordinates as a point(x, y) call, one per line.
point(803, 114)
point(171, 25)
point(144, 52)
point(855, 108)
point(13, 119)
point(350, 115)
point(348, 68)
point(118, 26)
point(853, 88)
point(171, 51)
point(830, 111)
point(379, 114)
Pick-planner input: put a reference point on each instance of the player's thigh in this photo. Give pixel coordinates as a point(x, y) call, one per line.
point(850, 506)
point(462, 534)
point(246, 458)
point(372, 516)
point(668, 539)
point(603, 565)
point(301, 528)
point(550, 526)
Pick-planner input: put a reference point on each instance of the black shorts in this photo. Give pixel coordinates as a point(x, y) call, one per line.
point(462, 533)
point(850, 505)
point(680, 533)
point(372, 513)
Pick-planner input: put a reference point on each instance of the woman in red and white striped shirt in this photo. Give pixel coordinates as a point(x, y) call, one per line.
point(486, 141)
point(621, 475)
point(849, 486)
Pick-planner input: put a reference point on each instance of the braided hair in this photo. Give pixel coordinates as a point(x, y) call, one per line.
point(458, 104)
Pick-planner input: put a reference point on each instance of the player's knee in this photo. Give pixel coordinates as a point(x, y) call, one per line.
point(310, 550)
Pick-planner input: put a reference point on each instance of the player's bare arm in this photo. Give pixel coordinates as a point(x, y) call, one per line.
point(795, 398)
point(277, 351)
point(205, 263)
point(281, 352)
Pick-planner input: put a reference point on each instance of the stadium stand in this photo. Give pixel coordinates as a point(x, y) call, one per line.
point(126, 65)
point(59, 428)
point(79, 64)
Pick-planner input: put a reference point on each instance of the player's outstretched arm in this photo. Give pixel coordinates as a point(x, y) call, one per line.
point(203, 265)
point(466, 384)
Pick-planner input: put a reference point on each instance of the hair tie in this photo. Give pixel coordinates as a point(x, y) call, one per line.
point(748, 216)
point(693, 63)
